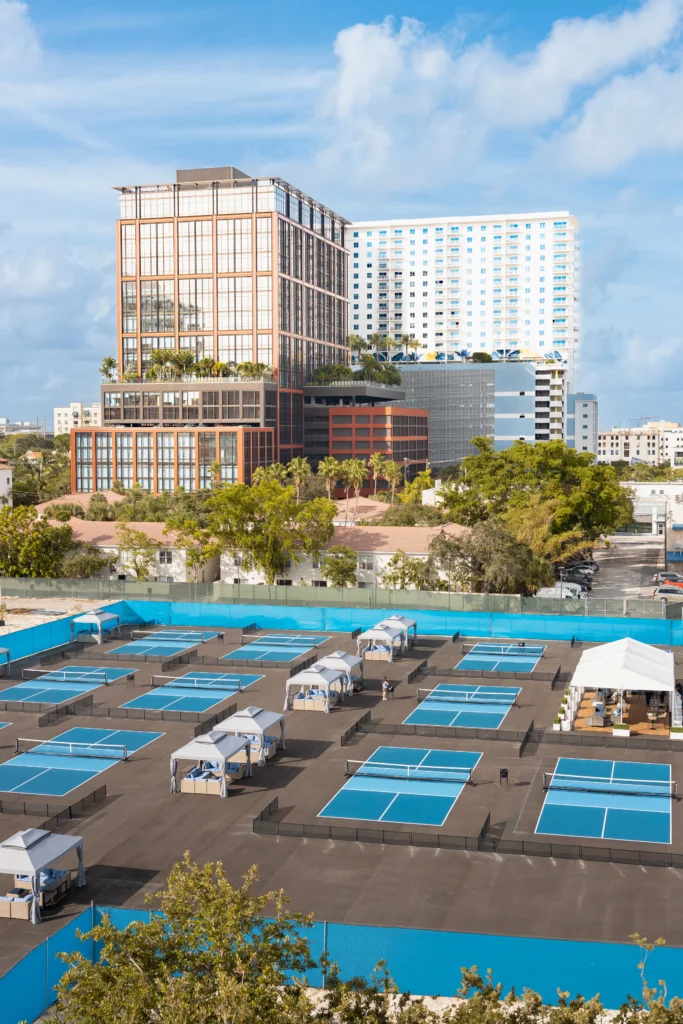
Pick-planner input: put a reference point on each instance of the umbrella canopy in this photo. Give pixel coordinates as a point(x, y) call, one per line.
point(626, 664)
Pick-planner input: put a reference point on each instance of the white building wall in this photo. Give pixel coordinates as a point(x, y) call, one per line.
point(76, 415)
point(495, 283)
point(175, 571)
point(306, 573)
point(636, 444)
point(5, 483)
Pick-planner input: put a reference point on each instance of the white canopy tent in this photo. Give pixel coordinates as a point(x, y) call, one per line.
point(216, 747)
point(34, 850)
point(340, 661)
point(255, 723)
point(325, 680)
point(104, 622)
point(405, 624)
point(6, 655)
point(381, 636)
point(625, 664)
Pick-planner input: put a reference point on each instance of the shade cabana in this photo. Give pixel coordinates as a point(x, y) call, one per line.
point(5, 660)
point(29, 856)
point(339, 661)
point(380, 643)
point(265, 730)
point(213, 752)
point(317, 689)
point(103, 622)
point(405, 624)
point(625, 665)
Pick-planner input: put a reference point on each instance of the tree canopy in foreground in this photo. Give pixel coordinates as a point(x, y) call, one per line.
point(220, 954)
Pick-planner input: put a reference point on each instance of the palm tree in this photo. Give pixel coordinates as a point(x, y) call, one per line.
point(276, 472)
point(252, 371)
point(346, 476)
point(109, 368)
point(393, 474)
point(205, 366)
point(331, 471)
point(355, 474)
point(413, 343)
point(182, 361)
point(377, 342)
point(299, 470)
point(369, 367)
point(221, 370)
point(160, 358)
point(357, 345)
point(376, 463)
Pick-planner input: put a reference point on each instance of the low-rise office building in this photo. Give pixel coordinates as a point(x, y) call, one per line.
point(644, 444)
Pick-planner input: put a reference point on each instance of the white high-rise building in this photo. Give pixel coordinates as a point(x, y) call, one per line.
point(67, 417)
point(505, 284)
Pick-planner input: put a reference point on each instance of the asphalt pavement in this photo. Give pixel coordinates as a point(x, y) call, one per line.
point(628, 565)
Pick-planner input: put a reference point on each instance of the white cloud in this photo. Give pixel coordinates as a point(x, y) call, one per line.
point(20, 49)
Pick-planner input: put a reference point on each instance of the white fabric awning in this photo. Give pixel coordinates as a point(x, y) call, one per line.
point(325, 679)
point(254, 721)
point(100, 619)
point(34, 850)
point(383, 634)
point(94, 618)
point(400, 622)
point(626, 664)
point(212, 746)
point(340, 661)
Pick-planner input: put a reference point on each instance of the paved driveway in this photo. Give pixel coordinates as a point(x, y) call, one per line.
point(627, 567)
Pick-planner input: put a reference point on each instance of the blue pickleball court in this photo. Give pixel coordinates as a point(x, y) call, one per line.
point(403, 786)
point(194, 691)
point(154, 648)
point(622, 800)
point(504, 657)
point(55, 767)
point(61, 685)
point(276, 647)
point(468, 707)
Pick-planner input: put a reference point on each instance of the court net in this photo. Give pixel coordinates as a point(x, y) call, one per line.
point(171, 636)
point(276, 641)
point(508, 650)
point(616, 787)
point(464, 697)
point(192, 683)
point(418, 773)
point(64, 748)
point(53, 678)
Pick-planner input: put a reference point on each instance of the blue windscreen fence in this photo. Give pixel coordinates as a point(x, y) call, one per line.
point(423, 962)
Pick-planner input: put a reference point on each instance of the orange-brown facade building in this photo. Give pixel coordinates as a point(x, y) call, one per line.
point(231, 269)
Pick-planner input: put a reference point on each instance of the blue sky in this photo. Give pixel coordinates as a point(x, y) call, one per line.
point(373, 109)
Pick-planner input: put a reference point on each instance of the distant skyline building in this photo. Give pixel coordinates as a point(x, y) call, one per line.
point(66, 417)
point(582, 422)
point(658, 443)
point(503, 284)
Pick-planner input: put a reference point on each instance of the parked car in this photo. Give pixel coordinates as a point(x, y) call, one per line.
point(588, 564)
point(668, 589)
point(582, 582)
point(664, 577)
point(563, 594)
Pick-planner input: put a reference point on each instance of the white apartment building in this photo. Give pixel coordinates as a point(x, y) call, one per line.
point(645, 444)
point(5, 482)
point(582, 422)
point(76, 414)
point(506, 284)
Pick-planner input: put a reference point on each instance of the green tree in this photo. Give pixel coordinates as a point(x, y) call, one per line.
point(265, 525)
point(339, 566)
point(376, 464)
point(204, 367)
point(446, 553)
point(220, 369)
point(299, 470)
point(217, 953)
point(109, 368)
point(357, 344)
point(332, 372)
point(64, 511)
point(99, 509)
point(489, 560)
point(412, 492)
point(276, 471)
point(481, 357)
point(412, 515)
point(355, 472)
point(404, 572)
point(196, 540)
point(161, 360)
point(85, 561)
point(30, 545)
point(183, 361)
point(253, 371)
point(393, 474)
point(138, 552)
point(330, 470)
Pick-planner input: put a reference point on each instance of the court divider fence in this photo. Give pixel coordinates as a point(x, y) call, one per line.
point(424, 962)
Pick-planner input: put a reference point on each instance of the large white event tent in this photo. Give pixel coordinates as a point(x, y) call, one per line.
point(340, 661)
point(104, 622)
point(216, 747)
point(312, 678)
point(255, 723)
point(32, 851)
point(623, 665)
